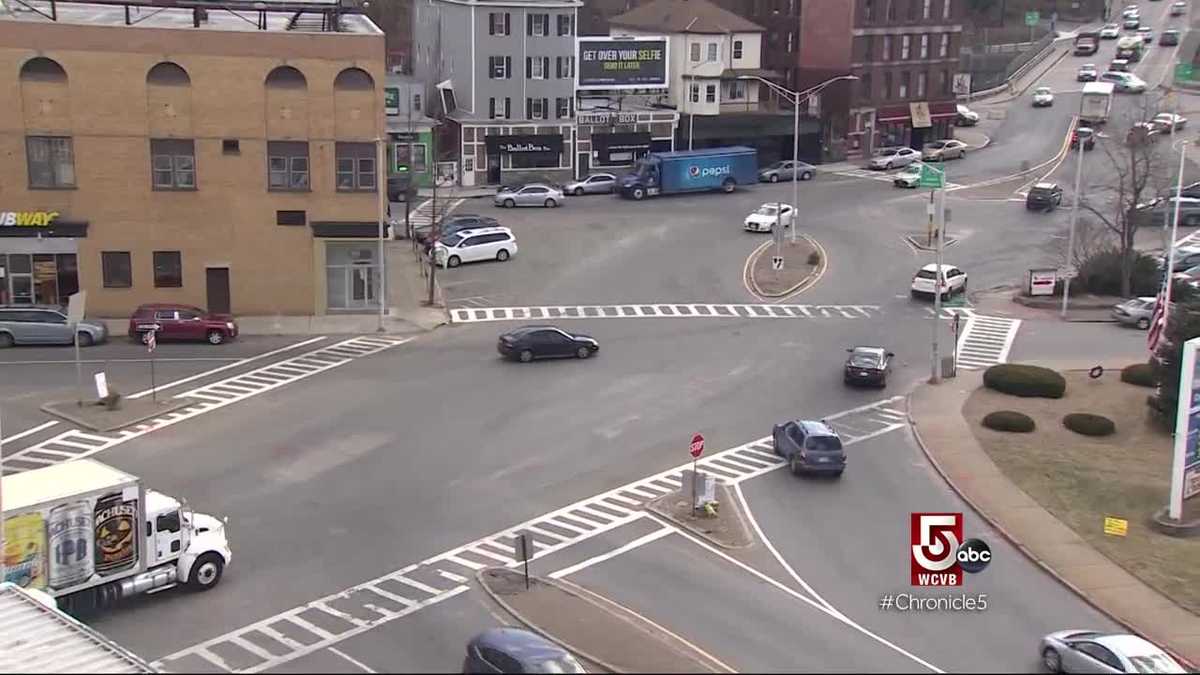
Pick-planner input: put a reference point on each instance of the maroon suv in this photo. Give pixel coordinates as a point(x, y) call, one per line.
point(181, 322)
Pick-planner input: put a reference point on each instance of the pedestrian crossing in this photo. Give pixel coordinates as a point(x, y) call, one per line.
point(77, 444)
point(424, 214)
point(662, 311)
point(985, 341)
point(320, 624)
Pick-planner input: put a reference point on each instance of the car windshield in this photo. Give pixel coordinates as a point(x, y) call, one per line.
point(776, 165)
point(1042, 90)
point(452, 240)
point(563, 664)
point(1155, 663)
point(936, 145)
point(823, 443)
point(864, 360)
point(766, 210)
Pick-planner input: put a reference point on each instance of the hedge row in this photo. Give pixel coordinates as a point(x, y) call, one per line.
point(1024, 380)
point(1009, 420)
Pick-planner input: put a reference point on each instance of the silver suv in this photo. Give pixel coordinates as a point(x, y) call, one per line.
point(33, 325)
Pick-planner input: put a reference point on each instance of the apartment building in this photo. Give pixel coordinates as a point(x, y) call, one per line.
point(157, 154)
point(503, 74)
point(905, 55)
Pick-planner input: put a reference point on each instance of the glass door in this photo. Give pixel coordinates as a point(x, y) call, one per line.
point(361, 287)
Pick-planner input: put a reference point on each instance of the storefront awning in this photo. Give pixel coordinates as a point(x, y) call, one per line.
point(342, 229)
point(56, 228)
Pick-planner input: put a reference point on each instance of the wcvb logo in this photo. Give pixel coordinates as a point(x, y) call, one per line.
point(939, 554)
point(697, 172)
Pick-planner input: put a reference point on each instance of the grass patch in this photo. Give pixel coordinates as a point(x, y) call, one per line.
point(1082, 479)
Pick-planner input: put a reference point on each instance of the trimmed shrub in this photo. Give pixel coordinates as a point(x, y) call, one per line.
point(814, 258)
point(1089, 424)
point(1025, 381)
point(1139, 374)
point(1009, 420)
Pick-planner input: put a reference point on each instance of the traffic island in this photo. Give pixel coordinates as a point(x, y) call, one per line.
point(593, 627)
point(776, 271)
point(725, 525)
point(96, 416)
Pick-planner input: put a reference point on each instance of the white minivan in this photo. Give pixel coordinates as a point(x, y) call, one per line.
point(485, 243)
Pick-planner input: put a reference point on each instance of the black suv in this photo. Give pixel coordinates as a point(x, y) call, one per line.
point(1044, 197)
point(809, 447)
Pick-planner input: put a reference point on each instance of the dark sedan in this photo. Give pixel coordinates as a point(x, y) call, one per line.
point(514, 650)
point(867, 365)
point(456, 223)
point(545, 342)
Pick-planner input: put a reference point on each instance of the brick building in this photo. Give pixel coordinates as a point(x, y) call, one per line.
point(193, 157)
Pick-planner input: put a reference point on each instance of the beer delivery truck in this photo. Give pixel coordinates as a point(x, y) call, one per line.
point(89, 535)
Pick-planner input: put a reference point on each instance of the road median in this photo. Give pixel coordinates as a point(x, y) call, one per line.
point(781, 270)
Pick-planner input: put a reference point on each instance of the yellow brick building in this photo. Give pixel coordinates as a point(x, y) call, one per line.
point(195, 157)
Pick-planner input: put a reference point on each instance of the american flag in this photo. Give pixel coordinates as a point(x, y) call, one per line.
point(151, 340)
point(1158, 319)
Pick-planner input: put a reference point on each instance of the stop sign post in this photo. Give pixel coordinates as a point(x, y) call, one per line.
point(697, 449)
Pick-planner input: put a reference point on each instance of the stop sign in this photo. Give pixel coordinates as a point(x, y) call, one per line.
point(697, 445)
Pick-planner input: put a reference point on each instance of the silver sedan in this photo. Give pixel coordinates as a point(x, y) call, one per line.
point(1136, 312)
point(1085, 651)
point(786, 170)
point(592, 184)
point(533, 194)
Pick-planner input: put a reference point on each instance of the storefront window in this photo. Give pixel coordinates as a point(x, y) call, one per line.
point(418, 161)
point(351, 276)
point(41, 278)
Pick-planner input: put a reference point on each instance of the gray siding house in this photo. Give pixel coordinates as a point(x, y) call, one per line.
point(505, 73)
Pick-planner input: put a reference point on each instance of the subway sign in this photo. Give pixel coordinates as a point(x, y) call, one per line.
point(27, 218)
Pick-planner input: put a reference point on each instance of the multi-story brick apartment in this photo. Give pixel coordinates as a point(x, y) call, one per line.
point(503, 72)
point(905, 54)
point(198, 157)
point(394, 17)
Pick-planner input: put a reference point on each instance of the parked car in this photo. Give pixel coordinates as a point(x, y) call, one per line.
point(908, 177)
point(926, 283)
point(965, 117)
point(1110, 31)
point(515, 650)
point(456, 223)
point(1179, 8)
point(1147, 34)
point(534, 194)
point(485, 243)
point(938, 151)
point(786, 170)
point(768, 215)
point(890, 158)
point(545, 342)
point(1191, 191)
point(867, 365)
point(400, 187)
point(1186, 274)
point(1161, 211)
point(38, 325)
point(1043, 97)
point(1169, 121)
point(1085, 651)
point(1044, 197)
point(1124, 82)
point(1087, 73)
point(592, 184)
point(1142, 132)
point(181, 322)
point(1133, 23)
point(523, 179)
point(1089, 138)
point(1168, 38)
point(809, 447)
point(1135, 312)
point(1185, 257)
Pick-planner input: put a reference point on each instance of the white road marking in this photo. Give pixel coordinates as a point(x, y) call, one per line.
point(655, 311)
point(211, 396)
point(986, 341)
point(346, 656)
point(564, 519)
point(27, 432)
point(640, 541)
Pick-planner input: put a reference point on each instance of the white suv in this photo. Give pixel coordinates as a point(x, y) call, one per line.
point(485, 243)
point(1124, 82)
point(953, 281)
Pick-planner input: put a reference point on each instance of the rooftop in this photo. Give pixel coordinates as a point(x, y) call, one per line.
point(685, 16)
point(302, 16)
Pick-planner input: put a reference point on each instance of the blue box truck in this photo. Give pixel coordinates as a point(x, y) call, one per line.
point(665, 173)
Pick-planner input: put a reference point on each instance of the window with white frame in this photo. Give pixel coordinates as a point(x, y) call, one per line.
point(562, 107)
point(564, 67)
point(499, 67)
point(537, 108)
point(736, 90)
point(173, 164)
point(499, 23)
point(921, 80)
point(51, 161)
point(695, 93)
point(695, 52)
point(737, 49)
point(713, 52)
point(925, 9)
point(905, 46)
point(355, 167)
point(925, 46)
point(499, 109)
point(944, 45)
point(566, 24)
point(904, 80)
point(945, 9)
point(537, 67)
point(538, 25)
point(287, 165)
point(710, 93)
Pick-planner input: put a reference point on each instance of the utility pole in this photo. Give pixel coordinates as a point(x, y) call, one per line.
point(1074, 211)
point(795, 165)
point(2, 572)
point(381, 190)
point(435, 233)
point(409, 164)
point(939, 209)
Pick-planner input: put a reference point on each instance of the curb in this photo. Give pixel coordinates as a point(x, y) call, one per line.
point(50, 409)
point(804, 284)
point(912, 424)
point(653, 507)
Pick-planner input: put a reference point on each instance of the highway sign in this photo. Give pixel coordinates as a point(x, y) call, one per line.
point(931, 178)
point(1032, 18)
point(1183, 71)
point(697, 446)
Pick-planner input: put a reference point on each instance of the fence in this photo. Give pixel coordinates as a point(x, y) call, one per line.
point(992, 65)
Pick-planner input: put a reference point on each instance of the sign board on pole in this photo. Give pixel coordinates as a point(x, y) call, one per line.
point(101, 385)
point(391, 100)
point(777, 263)
point(697, 448)
point(1041, 282)
point(75, 307)
point(1032, 18)
point(1183, 71)
point(522, 547)
point(920, 114)
point(621, 62)
point(931, 178)
point(1185, 465)
point(962, 83)
point(1116, 527)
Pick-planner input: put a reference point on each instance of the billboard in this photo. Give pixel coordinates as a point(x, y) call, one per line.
point(1185, 469)
point(621, 63)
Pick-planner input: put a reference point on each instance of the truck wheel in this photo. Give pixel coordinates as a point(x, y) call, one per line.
point(729, 185)
point(639, 194)
point(206, 572)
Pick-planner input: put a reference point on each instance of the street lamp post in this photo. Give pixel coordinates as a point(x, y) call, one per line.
point(1070, 265)
point(796, 98)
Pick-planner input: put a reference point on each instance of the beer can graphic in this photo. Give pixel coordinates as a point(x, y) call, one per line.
point(70, 544)
point(25, 550)
point(116, 534)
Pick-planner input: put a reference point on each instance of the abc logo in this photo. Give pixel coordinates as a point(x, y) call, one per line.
point(974, 555)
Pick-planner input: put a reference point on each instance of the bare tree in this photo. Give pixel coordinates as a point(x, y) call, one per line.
point(1139, 166)
point(1091, 238)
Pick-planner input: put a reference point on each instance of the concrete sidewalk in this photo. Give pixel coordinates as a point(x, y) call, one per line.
point(936, 414)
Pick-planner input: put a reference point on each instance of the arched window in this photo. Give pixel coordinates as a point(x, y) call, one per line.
point(286, 77)
point(42, 69)
point(354, 78)
point(168, 74)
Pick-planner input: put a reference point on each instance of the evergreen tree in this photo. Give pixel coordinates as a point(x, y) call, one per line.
point(1183, 324)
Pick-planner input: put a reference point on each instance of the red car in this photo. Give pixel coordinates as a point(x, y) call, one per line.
point(181, 322)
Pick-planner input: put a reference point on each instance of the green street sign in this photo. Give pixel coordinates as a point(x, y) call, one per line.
point(1183, 71)
point(1032, 18)
point(930, 178)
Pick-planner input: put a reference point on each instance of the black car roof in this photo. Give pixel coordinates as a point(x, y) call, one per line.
point(520, 644)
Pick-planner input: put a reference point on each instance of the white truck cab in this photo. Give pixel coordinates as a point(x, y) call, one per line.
point(195, 542)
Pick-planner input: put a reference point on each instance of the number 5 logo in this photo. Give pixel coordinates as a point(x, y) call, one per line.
point(935, 540)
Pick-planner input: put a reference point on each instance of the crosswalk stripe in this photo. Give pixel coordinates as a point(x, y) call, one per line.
point(663, 311)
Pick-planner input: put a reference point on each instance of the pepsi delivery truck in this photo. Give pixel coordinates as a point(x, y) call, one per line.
point(665, 173)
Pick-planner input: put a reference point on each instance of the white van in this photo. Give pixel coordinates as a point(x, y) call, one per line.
point(485, 243)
